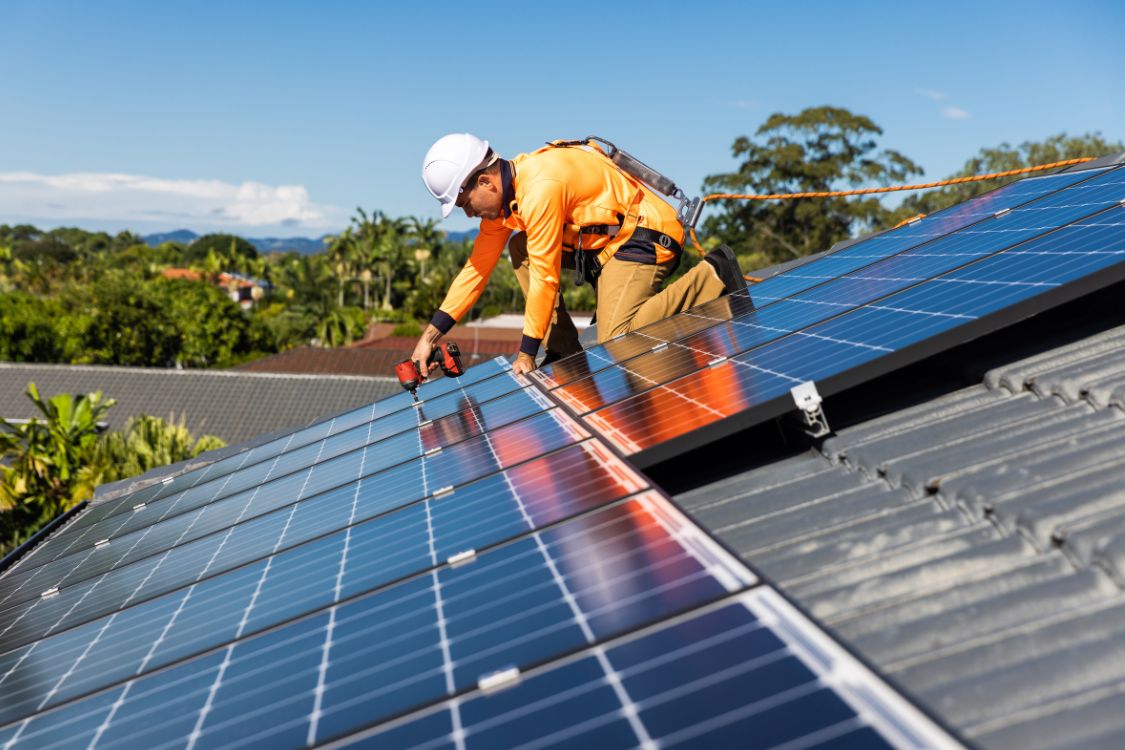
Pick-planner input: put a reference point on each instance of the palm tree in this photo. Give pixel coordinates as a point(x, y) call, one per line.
point(427, 240)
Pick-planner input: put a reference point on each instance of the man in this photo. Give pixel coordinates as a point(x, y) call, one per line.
point(574, 208)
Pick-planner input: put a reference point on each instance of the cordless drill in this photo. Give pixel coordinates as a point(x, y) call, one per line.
point(411, 374)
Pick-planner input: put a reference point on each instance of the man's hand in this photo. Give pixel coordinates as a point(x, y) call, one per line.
point(524, 363)
point(424, 348)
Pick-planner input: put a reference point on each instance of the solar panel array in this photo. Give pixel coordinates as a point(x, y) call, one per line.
point(404, 573)
point(851, 315)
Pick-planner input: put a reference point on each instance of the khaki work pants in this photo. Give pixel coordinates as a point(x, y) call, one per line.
point(629, 296)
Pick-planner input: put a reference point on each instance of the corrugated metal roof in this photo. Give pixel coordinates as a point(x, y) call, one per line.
point(235, 406)
point(971, 546)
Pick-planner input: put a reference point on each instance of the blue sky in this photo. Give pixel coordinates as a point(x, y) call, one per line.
point(279, 118)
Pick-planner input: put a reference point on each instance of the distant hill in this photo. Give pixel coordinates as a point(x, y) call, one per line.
point(303, 245)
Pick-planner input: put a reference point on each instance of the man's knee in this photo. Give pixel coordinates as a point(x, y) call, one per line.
point(517, 249)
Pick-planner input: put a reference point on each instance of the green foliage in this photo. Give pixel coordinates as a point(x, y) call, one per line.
point(119, 321)
point(55, 461)
point(47, 461)
point(1002, 158)
point(409, 328)
point(29, 329)
point(342, 326)
point(818, 149)
point(146, 443)
point(220, 334)
point(232, 249)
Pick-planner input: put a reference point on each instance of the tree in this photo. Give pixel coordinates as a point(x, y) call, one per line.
point(55, 461)
point(146, 443)
point(818, 149)
point(232, 251)
point(341, 327)
point(46, 467)
point(213, 330)
point(29, 329)
point(118, 321)
point(1002, 158)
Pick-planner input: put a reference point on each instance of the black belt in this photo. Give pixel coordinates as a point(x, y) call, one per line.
point(640, 233)
point(586, 266)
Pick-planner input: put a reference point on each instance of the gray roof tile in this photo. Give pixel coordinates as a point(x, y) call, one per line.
point(972, 546)
point(1016, 376)
point(1091, 721)
point(235, 406)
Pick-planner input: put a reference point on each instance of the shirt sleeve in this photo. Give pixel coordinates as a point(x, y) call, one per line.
point(470, 282)
point(543, 209)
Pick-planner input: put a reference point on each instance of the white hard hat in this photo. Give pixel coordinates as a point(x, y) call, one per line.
point(447, 165)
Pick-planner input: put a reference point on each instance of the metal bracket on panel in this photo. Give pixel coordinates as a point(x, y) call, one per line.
point(808, 402)
point(101, 543)
point(418, 404)
point(432, 452)
point(53, 591)
point(426, 423)
point(659, 347)
point(505, 678)
point(716, 361)
point(1001, 212)
point(166, 480)
point(138, 506)
point(461, 558)
point(443, 492)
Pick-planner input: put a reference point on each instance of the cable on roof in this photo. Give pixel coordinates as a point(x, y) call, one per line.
point(871, 191)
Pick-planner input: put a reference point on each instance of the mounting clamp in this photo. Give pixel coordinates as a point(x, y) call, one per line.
point(808, 402)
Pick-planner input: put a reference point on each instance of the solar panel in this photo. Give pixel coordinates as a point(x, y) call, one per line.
point(46, 612)
point(380, 652)
point(391, 415)
point(181, 519)
point(351, 579)
point(896, 310)
point(749, 671)
point(846, 260)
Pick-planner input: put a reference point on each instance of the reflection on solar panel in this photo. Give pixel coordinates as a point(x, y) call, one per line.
point(737, 367)
point(748, 672)
point(803, 277)
point(397, 560)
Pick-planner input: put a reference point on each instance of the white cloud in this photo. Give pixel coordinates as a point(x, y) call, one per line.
point(203, 204)
point(744, 104)
point(937, 96)
point(955, 113)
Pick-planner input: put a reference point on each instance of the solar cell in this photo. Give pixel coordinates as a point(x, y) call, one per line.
point(666, 360)
point(179, 566)
point(793, 281)
point(862, 343)
point(455, 417)
point(374, 655)
point(379, 410)
point(745, 672)
point(282, 584)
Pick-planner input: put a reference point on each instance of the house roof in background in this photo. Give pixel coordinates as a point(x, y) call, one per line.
point(971, 547)
point(235, 406)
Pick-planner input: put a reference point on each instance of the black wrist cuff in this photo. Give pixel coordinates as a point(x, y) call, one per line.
point(529, 345)
point(442, 321)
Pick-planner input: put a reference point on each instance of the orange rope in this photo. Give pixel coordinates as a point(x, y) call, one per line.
point(904, 222)
point(871, 191)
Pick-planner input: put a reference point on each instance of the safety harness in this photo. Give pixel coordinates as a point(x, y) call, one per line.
point(588, 264)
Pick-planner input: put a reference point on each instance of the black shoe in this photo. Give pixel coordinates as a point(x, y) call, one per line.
point(726, 266)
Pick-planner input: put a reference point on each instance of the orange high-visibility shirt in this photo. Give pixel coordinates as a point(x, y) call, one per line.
point(557, 190)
